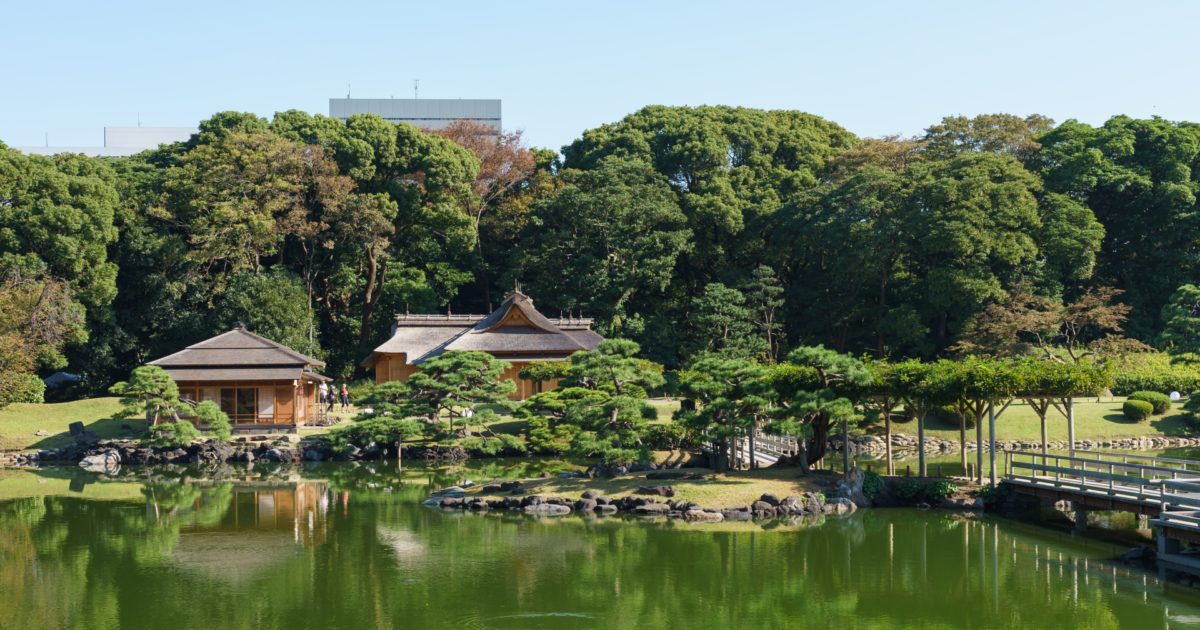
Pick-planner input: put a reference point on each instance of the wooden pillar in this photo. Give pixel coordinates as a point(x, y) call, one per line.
point(992, 441)
point(1044, 431)
point(921, 444)
point(979, 448)
point(1070, 426)
point(889, 468)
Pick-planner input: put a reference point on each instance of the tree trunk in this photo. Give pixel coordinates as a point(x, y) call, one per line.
point(753, 459)
point(371, 297)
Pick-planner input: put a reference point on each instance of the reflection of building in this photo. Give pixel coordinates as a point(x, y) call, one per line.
point(516, 332)
point(256, 381)
point(426, 113)
point(262, 524)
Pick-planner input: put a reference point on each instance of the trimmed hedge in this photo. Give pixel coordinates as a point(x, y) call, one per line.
point(1154, 372)
point(1160, 402)
point(1137, 409)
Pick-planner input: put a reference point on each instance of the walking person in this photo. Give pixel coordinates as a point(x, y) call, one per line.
point(323, 393)
point(345, 396)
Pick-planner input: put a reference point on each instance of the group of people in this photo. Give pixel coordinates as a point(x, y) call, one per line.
point(329, 395)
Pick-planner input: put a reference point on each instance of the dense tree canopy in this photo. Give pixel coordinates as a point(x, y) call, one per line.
point(695, 231)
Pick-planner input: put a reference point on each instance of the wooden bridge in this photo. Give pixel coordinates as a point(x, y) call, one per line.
point(1164, 488)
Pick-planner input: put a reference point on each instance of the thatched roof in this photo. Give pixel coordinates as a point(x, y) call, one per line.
point(239, 355)
point(515, 330)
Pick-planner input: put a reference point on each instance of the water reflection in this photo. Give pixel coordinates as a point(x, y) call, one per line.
point(335, 546)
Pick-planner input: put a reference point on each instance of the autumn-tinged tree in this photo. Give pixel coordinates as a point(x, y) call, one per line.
point(38, 317)
point(1025, 323)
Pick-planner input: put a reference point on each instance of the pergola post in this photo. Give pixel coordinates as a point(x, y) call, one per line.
point(992, 441)
point(921, 444)
point(887, 443)
point(979, 447)
point(1070, 426)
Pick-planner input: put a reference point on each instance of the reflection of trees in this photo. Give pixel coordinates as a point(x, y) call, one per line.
point(387, 561)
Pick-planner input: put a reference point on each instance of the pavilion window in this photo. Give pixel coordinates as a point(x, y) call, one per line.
point(229, 401)
point(246, 403)
point(266, 404)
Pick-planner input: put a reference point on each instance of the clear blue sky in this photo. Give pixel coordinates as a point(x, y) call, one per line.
point(70, 68)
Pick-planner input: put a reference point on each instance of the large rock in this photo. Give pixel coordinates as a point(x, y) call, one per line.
point(547, 509)
point(791, 506)
point(851, 487)
point(652, 509)
point(662, 491)
point(108, 462)
point(703, 516)
point(840, 506)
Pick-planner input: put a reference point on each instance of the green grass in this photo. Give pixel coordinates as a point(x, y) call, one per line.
point(1094, 419)
point(718, 491)
point(20, 421)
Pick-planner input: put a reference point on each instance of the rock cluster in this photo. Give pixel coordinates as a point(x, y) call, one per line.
point(591, 503)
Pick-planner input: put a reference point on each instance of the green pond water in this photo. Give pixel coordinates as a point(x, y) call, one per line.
point(350, 546)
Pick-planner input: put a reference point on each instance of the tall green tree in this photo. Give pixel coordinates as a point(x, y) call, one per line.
point(817, 389)
point(606, 243)
point(1138, 178)
point(1181, 321)
point(725, 325)
point(732, 397)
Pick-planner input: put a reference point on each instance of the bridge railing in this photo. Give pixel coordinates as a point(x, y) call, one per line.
point(1141, 479)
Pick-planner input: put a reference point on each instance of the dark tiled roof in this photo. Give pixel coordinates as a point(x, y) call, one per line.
point(237, 348)
point(516, 328)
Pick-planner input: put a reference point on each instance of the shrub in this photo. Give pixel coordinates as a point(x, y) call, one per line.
point(546, 441)
point(939, 489)
point(503, 444)
point(173, 434)
point(383, 430)
point(649, 412)
point(214, 420)
point(29, 389)
point(667, 437)
point(1153, 371)
point(923, 490)
point(1192, 403)
point(1137, 410)
point(1160, 402)
point(872, 484)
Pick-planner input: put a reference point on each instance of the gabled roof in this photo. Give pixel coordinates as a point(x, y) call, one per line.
point(515, 329)
point(237, 348)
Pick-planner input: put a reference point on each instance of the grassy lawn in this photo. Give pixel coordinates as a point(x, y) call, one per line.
point(20, 421)
point(725, 490)
point(1093, 419)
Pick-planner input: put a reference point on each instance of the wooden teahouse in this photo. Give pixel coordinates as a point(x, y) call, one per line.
point(259, 383)
point(515, 332)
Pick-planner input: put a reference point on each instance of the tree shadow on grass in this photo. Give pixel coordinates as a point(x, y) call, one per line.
point(107, 428)
point(1177, 425)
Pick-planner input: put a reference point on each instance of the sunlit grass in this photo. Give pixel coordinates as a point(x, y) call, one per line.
point(20, 421)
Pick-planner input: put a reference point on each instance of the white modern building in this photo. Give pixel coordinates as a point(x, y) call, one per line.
point(426, 113)
point(119, 141)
